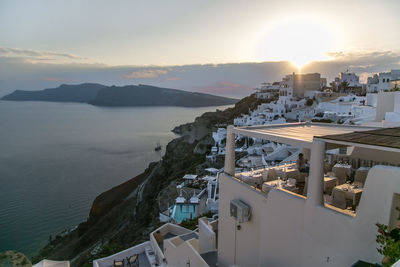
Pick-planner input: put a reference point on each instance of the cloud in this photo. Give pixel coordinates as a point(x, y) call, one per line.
point(146, 74)
point(173, 79)
point(54, 79)
point(365, 59)
point(234, 79)
point(226, 88)
point(33, 56)
point(363, 63)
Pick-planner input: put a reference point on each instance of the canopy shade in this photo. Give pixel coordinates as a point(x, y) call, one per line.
point(386, 137)
point(297, 134)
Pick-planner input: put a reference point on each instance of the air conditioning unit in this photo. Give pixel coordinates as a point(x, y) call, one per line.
point(240, 211)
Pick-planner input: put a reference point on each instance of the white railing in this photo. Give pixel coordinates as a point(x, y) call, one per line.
point(165, 229)
point(109, 261)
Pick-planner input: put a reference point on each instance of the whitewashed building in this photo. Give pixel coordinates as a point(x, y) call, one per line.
point(381, 81)
point(352, 79)
point(278, 227)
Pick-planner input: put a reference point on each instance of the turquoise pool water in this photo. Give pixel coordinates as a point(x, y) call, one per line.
point(181, 212)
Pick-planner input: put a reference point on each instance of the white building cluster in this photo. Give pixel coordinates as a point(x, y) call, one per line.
point(382, 81)
point(352, 79)
point(270, 212)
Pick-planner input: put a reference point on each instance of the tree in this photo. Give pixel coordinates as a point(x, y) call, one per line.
point(343, 87)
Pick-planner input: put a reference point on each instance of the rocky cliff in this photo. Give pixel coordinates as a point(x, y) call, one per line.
point(125, 215)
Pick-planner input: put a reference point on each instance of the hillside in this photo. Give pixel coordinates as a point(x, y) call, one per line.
point(82, 93)
point(145, 95)
point(116, 96)
point(124, 216)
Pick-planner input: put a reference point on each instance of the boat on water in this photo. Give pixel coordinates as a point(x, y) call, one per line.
point(158, 147)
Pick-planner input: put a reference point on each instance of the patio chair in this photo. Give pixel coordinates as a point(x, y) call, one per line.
point(327, 167)
point(360, 177)
point(118, 263)
point(341, 174)
point(339, 199)
point(272, 175)
point(301, 176)
point(133, 260)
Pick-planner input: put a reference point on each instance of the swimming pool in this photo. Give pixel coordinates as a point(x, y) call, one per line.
point(181, 212)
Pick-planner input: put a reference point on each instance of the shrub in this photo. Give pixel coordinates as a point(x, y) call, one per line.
point(388, 244)
point(191, 224)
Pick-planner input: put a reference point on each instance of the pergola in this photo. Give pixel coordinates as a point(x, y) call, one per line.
point(312, 137)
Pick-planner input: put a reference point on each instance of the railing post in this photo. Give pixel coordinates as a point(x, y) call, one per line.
point(315, 190)
point(230, 152)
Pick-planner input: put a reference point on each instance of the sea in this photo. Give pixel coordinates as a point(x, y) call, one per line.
point(55, 158)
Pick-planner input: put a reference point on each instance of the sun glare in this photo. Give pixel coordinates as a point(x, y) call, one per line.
point(299, 41)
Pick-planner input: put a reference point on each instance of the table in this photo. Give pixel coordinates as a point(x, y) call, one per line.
point(350, 191)
point(271, 174)
point(291, 173)
point(329, 183)
point(254, 179)
point(280, 184)
point(342, 172)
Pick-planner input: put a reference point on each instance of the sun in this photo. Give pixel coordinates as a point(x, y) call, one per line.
point(298, 40)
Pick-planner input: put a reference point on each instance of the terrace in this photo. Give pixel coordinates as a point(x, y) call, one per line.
point(166, 232)
point(332, 217)
point(334, 171)
point(195, 248)
point(142, 251)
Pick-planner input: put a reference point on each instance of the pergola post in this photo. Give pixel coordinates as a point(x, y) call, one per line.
point(315, 190)
point(306, 152)
point(230, 152)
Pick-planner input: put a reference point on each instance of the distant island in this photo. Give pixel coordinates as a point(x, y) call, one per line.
point(121, 96)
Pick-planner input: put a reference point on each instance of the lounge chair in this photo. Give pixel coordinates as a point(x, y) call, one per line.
point(119, 263)
point(133, 260)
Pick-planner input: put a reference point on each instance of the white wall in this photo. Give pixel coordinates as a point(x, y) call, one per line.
point(207, 237)
point(180, 253)
point(385, 103)
point(396, 101)
point(287, 230)
point(372, 99)
point(109, 261)
point(164, 229)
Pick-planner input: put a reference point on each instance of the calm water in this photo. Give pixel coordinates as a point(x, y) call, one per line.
point(56, 158)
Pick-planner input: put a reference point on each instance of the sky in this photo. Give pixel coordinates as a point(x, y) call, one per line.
point(225, 47)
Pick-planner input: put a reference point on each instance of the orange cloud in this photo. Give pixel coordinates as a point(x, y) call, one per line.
point(172, 79)
point(145, 74)
point(53, 79)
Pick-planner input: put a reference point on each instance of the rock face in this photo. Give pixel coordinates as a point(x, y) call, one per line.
point(82, 93)
point(125, 215)
point(125, 96)
point(14, 258)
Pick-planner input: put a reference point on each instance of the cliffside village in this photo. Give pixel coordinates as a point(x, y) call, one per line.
point(307, 175)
